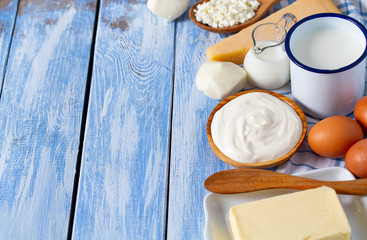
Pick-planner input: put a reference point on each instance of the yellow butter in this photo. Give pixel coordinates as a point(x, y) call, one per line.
point(234, 48)
point(312, 214)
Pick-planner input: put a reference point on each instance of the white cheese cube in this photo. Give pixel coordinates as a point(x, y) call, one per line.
point(168, 9)
point(218, 80)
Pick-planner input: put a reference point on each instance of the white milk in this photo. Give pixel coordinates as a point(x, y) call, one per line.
point(268, 69)
point(327, 49)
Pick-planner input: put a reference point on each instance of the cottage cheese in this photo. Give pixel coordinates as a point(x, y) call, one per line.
point(226, 13)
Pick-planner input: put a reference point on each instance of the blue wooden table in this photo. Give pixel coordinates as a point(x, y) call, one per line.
point(102, 129)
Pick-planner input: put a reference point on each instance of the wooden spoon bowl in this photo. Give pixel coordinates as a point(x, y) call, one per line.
point(264, 7)
point(264, 164)
point(248, 180)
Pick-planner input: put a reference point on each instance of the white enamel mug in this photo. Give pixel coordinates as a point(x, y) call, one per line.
point(324, 91)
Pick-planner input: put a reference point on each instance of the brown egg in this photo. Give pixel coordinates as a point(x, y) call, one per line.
point(333, 136)
point(360, 113)
point(356, 159)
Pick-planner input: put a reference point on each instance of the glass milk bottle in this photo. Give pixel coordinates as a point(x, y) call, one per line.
point(267, 63)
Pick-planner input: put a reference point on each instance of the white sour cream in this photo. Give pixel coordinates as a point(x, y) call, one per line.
point(256, 127)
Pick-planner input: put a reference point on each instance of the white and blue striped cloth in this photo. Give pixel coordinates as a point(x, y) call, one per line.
point(305, 159)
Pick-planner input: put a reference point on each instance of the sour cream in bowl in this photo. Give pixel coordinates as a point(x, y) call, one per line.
point(256, 129)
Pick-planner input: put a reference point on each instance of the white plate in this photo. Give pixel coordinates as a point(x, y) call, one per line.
point(216, 206)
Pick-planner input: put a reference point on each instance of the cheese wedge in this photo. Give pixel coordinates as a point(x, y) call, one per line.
point(234, 48)
point(314, 214)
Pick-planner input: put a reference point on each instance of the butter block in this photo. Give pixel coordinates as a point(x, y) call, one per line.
point(234, 48)
point(314, 214)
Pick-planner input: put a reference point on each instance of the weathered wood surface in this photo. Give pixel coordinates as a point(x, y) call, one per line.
point(8, 10)
point(134, 121)
point(123, 182)
point(40, 116)
point(192, 159)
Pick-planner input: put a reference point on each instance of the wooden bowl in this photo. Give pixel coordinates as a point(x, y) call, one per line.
point(264, 164)
point(264, 7)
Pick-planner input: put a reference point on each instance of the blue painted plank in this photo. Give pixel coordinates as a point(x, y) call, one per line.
point(123, 181)
point(192, 159)
point(8, 11)
point(40, 117)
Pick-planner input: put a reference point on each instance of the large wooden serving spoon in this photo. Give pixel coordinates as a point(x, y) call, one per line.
point(264, 7)
point(248, 180)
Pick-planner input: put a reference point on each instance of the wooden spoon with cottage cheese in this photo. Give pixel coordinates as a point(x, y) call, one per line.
point(264, 7)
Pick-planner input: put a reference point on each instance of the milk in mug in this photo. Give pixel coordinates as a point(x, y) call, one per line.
point(327, 49)
point(327, 53)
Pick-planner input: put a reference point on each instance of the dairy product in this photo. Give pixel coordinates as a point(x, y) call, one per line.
point(168, 9)
point(256, 127)
point(225, 13)
point(218, 80)
point(327, 48)
point(268, 69)
point(314, 214)
point(234, 48)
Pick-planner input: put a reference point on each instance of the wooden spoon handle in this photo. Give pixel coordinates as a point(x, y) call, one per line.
point(248, 180)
